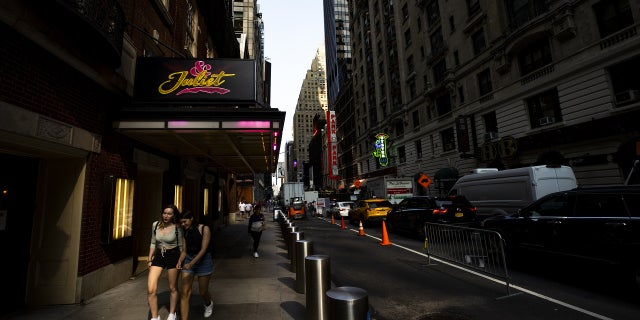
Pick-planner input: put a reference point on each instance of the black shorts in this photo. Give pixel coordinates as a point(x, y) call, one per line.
point(167, 260)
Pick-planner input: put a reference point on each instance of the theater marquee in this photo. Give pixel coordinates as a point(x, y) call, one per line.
point(173, 80)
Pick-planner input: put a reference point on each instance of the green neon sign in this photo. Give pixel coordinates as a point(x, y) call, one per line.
point(380, 149)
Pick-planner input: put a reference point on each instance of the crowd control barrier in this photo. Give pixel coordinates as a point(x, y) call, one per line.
point(477, 249)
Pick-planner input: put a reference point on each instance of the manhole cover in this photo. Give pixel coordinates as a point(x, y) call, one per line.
point(444, 316)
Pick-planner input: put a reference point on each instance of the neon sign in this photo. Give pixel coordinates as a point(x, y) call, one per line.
point(202, 80)
point(380, 149)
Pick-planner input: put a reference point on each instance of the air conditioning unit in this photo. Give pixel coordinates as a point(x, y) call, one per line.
point(491, 136)
point(547, 121)
point(627, 96)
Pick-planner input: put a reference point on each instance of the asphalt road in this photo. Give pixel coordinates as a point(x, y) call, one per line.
point(402, 283)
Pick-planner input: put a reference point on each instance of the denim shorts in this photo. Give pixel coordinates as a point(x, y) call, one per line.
point(204, 266)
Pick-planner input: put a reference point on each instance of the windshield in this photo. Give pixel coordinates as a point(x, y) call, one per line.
point(379, 204)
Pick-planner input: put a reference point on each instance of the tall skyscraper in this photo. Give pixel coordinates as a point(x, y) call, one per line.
point(311, 101)
point(337, 46)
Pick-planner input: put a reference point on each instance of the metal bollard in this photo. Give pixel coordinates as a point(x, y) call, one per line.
point(287, 236)
point(348, 303)
point(303, 249)
point(295, 236)
point(318, 280)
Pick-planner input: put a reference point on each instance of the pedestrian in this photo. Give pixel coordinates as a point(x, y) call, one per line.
point(241, 207)
point(247, 208)
point(197, 260)
point(256, 226)
point(167, 241)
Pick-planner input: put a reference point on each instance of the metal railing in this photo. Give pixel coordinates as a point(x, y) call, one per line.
point(477, 249)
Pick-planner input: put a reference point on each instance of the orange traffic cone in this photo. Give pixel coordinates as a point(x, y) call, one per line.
point(333, 219)
point(342, 226)
point(361, 232)
point(385, 237)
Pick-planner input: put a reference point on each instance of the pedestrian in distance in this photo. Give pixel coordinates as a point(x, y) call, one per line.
point(166, 246)
point(247, 208)
point(197, 260)
point(255, 227)
point(242, 207)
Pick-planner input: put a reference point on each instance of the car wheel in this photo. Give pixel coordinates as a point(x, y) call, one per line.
point(390, 226)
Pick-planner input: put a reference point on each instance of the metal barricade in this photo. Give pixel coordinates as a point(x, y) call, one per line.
point(477, 249)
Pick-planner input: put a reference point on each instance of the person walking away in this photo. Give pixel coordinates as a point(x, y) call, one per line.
point(197, 260)
point(167, 241)
point(242, 207)
point(256, 226)
point(247, 208)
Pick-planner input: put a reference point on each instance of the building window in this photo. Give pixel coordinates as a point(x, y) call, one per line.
point(448, 140)
point(534, 56)
point(479, 44)
point(473, 6)
point(410, 65)
point(452, 24)
point(412, 89)
point(407, 38)
point(439, 71)
point(416, 119)
point(443, 103)
point(402, 156)
point(484, 82)
point(490, 126)
point(523, 11)
point(544, 108)
point(418, 145)
point(405, 12)
point(437, 41)
point(433, 12)
point(612, 16)
point(461, 94)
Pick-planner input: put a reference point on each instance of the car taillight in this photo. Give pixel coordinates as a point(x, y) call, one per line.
point(440, 211)
point(473, 209)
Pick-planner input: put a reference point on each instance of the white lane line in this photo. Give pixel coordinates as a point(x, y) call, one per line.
point(533, 293)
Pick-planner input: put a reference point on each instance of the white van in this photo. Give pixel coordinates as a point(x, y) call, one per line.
point(503, 192)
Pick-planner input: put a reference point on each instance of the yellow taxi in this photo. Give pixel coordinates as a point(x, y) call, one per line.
point(370, 210)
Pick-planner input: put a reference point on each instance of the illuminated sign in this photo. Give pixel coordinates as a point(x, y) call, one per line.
point(380, 149)
point(195, 80)
point(332, 145)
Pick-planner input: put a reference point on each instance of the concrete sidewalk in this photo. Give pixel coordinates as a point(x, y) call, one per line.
point(243, 287)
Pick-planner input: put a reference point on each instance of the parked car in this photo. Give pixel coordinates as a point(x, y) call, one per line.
point(599, 224)
point(411, 214)
point(341, 209)
point(297, 210)
point(369, 210)
point(503, 192)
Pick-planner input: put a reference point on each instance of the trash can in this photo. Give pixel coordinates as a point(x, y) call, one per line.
point(318, 280)
point(348, 303)
point(303, 249)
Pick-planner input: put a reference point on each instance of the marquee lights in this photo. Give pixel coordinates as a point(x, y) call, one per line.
point(380, 149)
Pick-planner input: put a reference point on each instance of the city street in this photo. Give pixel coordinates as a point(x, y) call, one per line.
point(402, 284)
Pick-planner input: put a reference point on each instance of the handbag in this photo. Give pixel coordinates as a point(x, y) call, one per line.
point(257, 226)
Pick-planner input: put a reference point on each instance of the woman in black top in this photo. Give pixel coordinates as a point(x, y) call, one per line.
point(255, 230)
point(197, 260)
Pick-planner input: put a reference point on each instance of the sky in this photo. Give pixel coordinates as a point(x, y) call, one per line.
point(293, 31)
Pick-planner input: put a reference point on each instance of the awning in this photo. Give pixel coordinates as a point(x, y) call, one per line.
point(446, 174)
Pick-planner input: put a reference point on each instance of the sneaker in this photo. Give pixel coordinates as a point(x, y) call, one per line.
point(172, 316)
point(255, 254)
point(208, 310)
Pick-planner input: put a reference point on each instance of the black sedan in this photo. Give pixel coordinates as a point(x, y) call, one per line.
point(411, 214)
